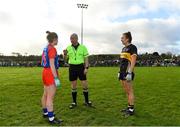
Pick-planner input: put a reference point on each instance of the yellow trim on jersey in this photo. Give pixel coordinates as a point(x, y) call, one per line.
point(126, 55)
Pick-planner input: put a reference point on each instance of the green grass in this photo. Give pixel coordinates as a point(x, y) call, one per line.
point(157, 92)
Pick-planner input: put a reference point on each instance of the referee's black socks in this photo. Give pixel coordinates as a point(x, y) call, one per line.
point(74, 95)
point(86, 96)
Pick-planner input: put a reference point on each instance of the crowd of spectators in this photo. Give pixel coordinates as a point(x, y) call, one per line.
point(104, 60)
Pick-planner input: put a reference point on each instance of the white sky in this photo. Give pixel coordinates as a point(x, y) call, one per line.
point(155, 24)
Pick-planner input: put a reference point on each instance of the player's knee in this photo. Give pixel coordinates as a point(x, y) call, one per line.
point(50, 96)
point(49, 100)
point(44, 95)
point(130, 93)
point(43, 98)
point(84, 84)
point(84, 81)
point(74, 84)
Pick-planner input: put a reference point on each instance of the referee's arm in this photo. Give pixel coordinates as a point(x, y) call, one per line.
point(86, 62)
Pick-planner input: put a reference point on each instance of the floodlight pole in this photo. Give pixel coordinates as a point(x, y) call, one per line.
point(82, 6)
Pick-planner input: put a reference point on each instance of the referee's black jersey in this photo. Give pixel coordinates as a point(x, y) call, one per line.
point(125, 57)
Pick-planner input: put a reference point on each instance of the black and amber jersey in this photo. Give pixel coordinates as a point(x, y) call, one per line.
point(125, 57)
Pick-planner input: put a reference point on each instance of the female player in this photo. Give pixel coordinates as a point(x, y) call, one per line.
point(50, 77)
point(126, 75)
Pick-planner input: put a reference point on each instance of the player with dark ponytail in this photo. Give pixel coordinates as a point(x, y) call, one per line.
point(126, 74)
point(50, 77)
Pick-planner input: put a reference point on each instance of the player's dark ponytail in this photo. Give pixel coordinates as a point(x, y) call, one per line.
point(128, 35)
point(51, 36)
point(48, 32)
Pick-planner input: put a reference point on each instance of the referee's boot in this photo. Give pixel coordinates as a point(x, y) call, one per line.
point(72, 105)
point(89, 103)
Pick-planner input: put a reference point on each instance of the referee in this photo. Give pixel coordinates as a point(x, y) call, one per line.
point(77, 56)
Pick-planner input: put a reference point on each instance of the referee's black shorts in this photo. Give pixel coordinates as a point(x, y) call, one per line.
point(76, 71)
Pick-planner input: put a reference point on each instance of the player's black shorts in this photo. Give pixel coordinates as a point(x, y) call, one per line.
point(76, 71)
point(122, 75)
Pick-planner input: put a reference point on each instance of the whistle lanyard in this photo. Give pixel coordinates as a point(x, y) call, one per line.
point(75, 51)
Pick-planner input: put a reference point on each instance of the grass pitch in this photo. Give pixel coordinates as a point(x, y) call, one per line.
point(157, 92)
